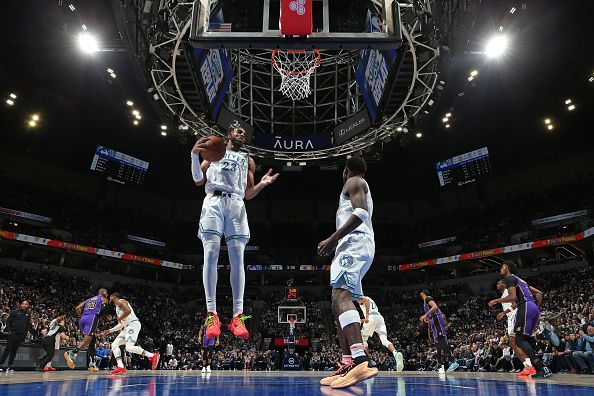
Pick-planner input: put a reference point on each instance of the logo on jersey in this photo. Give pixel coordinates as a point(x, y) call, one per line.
point(298, 6)
point(346, 261)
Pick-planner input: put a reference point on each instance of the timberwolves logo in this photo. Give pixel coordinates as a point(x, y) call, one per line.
point(346, 261)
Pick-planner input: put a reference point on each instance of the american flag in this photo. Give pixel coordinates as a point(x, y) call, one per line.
point(219, 27)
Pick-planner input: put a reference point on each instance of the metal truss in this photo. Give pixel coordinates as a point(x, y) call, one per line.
point(253, 93)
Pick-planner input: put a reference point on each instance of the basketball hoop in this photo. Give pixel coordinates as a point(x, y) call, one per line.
point(295, 68)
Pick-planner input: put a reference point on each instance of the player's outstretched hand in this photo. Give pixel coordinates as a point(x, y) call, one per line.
point(501, 315)
point(200, 144)
point(268, 178)
point(492, 303)
point(327, 246)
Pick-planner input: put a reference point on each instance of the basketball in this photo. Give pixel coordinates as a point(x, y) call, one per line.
point(214, 150)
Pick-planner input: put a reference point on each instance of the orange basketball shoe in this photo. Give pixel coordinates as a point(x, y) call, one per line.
point(237, 326)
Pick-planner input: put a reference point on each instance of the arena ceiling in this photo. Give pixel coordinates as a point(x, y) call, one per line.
point(81, 105)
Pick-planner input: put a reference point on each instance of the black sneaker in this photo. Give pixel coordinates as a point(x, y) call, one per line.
point(545, 373)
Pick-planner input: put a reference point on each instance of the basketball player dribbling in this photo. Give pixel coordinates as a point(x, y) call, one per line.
point(227, 182)
point(354, 244)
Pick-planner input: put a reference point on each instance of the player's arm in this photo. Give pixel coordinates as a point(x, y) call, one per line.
point(355, 189)
point(79, 308)
point(252, 190)
point(217, 341)
point(63, 337)
point(537, 295)
point(510, 284)
point(200, 334)
point(367, 306)
point(199, 169)
point(432, 308)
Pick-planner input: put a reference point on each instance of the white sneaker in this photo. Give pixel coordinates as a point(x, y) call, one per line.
point(399, 361)
point(208, 369)
point(203, 370)
point(441, 370)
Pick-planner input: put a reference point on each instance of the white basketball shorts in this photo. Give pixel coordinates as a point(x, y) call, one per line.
point(511, 320)
point(351, 262)
point(376, 325)
point(129, 334)
point(224, 216)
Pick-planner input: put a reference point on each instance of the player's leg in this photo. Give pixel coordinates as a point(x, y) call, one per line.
point(88, 326)
point(117, 353)
point(527, 318)
point(382, 332)
point(352, 263)
point(237, 235)
point(210, 232)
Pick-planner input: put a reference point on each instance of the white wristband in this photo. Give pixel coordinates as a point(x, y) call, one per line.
point(197, 174)
point(361, 214)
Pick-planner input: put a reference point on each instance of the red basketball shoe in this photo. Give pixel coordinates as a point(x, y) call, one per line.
point(528, 370)
point(118, 370)
point(237, 326)
point(213, 325)
point(154, 361)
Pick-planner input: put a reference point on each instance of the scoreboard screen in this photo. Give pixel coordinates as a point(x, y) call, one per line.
point(464, 168)
point(292, 293)
point(118, 167)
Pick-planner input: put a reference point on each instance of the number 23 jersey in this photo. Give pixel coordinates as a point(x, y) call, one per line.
point(229, 174)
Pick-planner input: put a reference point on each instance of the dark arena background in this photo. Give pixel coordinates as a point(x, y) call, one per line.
point(474, 119)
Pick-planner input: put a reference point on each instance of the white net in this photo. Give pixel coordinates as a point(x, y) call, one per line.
point(295, 68)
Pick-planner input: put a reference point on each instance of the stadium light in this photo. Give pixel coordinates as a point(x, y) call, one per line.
point(496, 46)
point(135, 122)
point(138, 117)
point(419, 135)
point(550, 127)
point(571, 107)
point(163, 133)
point(470, 78)
point(84, 27)
point(72, 8)
point(568, 101)
point(474, 73)
point(163, 127)
point(9, 102)
point(448, 115)
point(130, 103)
point(513, 10)
point(32, 124)
point(87, 42)
point(113, 75)
point(445, 119)
point(591, 79)
point(547, 121)
point(447, 125)
point(12, 96)
point(35, 117)
point(399, 129)
point(135, 112)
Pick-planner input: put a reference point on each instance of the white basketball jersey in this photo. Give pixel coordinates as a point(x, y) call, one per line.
point(345, 210)
point(507, 305)
point(373, 309)
point(130, 318)
point(229, 174)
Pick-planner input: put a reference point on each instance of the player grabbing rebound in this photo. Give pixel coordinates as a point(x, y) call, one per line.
point(90, 311)
point(437, 327)
point(509, 312)
point(129, 327)
point(374, 323)
point(228, 182)
point(528, 300)
point(355, 247)
point(208, 346)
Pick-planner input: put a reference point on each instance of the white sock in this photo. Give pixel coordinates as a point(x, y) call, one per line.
point(212, 246)
point(357, 350)
point(527, 362)
point(236, 248)
point(394, 353)
point(120, 364)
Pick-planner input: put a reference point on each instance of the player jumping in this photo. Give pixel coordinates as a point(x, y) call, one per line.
point(437, 326)
point(90, 311)
point(374, 323)
point(208, 345)
point(528, 300)
point(228, 182)
point(355, 248)
point(129, 327)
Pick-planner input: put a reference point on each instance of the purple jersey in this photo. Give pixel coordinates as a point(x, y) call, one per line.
point(436, 320)
point(92, 306)
point(523, 293)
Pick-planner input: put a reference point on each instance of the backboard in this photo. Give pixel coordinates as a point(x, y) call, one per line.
point(254, 24)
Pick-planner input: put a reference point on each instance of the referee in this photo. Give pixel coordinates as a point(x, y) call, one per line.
point(17, 326)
